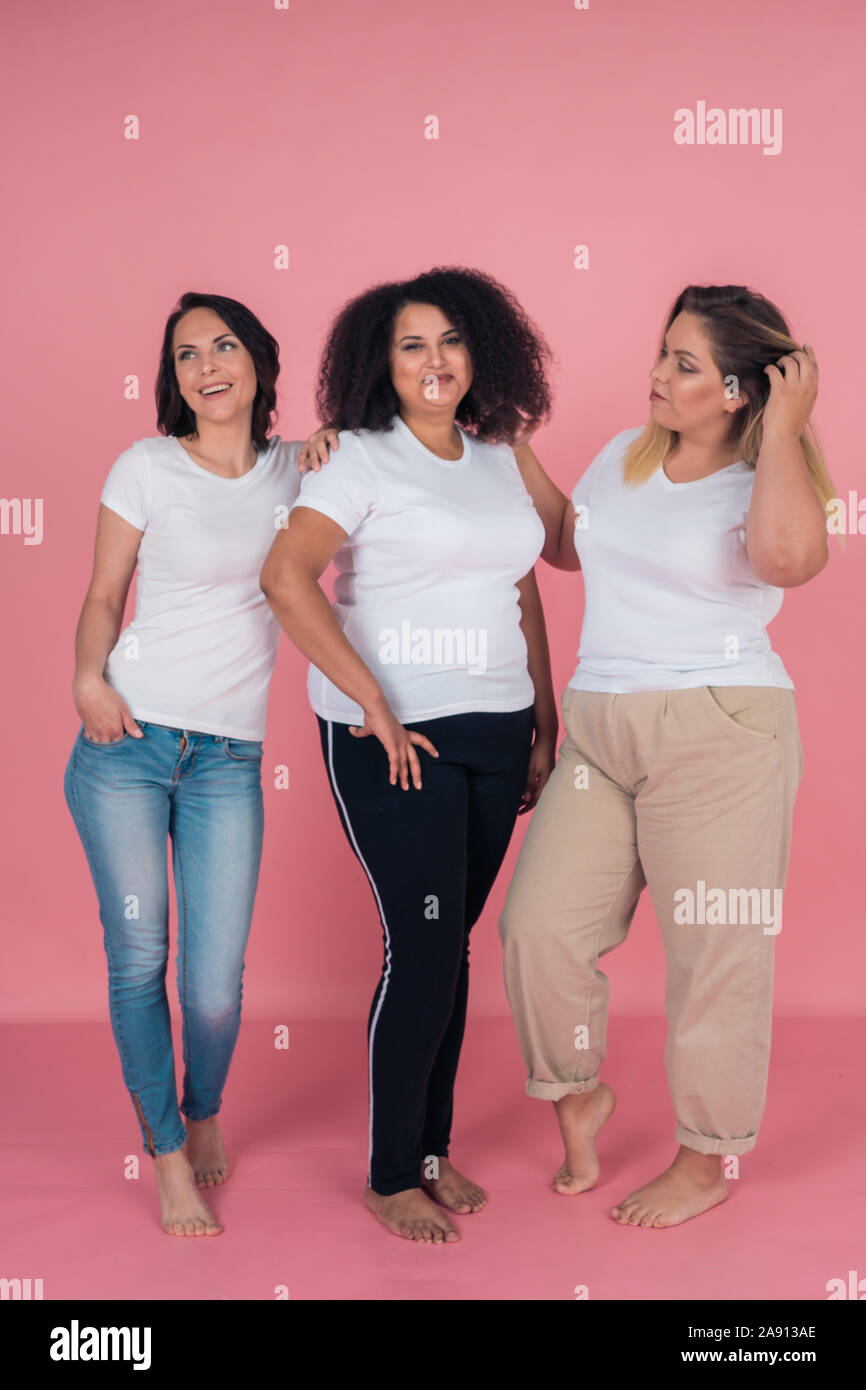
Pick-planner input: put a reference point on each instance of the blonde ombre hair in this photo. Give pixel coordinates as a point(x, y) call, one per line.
point(747, 333)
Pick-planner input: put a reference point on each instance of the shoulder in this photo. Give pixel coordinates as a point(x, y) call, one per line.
point(282, 454)
point(135, 461)
point(618, 445)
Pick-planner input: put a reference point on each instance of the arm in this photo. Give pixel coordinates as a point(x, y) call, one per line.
point(104, 714)
point(786, 528)
point(289, 581)
point(554, 508)
point(546, 720)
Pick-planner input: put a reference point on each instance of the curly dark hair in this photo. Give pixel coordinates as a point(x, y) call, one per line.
point(173, 415)
point(509, 355)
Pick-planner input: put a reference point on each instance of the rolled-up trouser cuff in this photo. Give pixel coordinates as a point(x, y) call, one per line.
point(555, 1090)
point(709, 1144)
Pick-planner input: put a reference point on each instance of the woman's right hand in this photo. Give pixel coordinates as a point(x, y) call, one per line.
point(399, 744)
point(316, 450)
point(105, 716)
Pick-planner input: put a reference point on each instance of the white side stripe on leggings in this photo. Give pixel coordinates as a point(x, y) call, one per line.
point(387, 971)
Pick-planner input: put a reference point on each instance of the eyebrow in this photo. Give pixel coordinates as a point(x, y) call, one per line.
point(192, 345)
point(418, 337)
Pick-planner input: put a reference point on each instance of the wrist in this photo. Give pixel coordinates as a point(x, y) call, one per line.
point(772, 433)
point(84, 681)
point(545, 731)
point(375, 703)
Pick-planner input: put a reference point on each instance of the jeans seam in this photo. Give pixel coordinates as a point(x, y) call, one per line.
point(182, 908)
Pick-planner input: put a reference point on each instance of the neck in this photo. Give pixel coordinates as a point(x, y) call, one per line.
point(227, 445)
point(705, 452)
point(439, 433)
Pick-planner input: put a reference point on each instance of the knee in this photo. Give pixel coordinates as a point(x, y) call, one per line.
point(518, 922)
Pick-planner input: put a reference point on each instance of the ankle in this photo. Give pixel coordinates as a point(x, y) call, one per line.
point(708, 1166)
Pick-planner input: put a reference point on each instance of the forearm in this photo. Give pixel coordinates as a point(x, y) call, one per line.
point(96, 635)
point(538, 658)
point(305, 615)
point(786, 528)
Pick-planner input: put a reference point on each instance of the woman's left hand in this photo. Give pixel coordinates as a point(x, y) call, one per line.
point(316, 450)
point(541, 763)
point(792, 393)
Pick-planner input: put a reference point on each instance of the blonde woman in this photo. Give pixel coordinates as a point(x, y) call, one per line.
point(682, 756)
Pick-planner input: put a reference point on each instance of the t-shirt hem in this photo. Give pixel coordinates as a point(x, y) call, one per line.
point(123, 511)
point(459, 707)
point(675, 680)
point(177, 721)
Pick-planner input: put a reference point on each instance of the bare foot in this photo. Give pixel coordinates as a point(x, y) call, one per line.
point(454, 1191)
point(204, 1149)
point(412, 1215)
point(182, 1211)
point(580, 1118)
point(691, 1185)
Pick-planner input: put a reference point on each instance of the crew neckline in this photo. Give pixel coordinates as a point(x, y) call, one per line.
point(232, 482)
point(694, 482)
point(404, 429)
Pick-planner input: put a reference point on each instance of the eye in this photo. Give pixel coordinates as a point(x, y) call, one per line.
point(454, 339)
point(688, 370)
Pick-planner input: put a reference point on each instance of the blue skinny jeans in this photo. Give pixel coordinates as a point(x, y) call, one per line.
point(127, 798)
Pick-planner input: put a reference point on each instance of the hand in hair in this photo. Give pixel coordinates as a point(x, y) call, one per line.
point(793, 390)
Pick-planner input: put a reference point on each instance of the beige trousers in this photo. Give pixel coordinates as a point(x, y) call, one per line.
point(691, 793)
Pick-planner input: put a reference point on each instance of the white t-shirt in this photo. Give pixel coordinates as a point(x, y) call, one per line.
point(426, 586)
point(200, 650)
point(671, 599)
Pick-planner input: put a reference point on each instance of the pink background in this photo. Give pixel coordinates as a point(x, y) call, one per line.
point(263, 127)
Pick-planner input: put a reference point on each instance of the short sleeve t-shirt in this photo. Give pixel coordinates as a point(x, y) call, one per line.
point(426, 586)
point(200, 650)
point(671, 599)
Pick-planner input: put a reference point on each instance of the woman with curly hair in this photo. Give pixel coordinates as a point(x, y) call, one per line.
point(435, 646)
point(682, 756)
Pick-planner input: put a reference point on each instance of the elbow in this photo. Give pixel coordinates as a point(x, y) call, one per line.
point(785, 570)
point(270, 581)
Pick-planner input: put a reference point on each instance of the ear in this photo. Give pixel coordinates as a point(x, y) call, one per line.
point(735, 395)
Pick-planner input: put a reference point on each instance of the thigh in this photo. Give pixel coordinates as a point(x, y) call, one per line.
point(717, 806)
point(118, 797)
point(579, 859)
point(411, 845)
point(497, 781)
point(217, 826)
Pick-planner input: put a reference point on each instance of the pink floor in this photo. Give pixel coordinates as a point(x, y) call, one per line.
point(295, 1123)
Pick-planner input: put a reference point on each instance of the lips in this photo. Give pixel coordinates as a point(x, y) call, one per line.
point(211, 390)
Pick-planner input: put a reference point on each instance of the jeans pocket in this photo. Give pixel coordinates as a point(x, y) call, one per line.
point(746, 709)
point(113, 743)
point(243, 750)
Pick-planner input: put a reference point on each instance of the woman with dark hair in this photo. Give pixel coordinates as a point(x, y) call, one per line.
point(436, 643)
point(682, 756)
point(173, 716)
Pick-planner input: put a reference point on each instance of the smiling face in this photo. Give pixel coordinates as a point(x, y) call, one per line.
point(208, 355)
point(687, 386)
point(430, 365)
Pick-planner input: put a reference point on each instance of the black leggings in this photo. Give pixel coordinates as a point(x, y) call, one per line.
point(431, 857)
